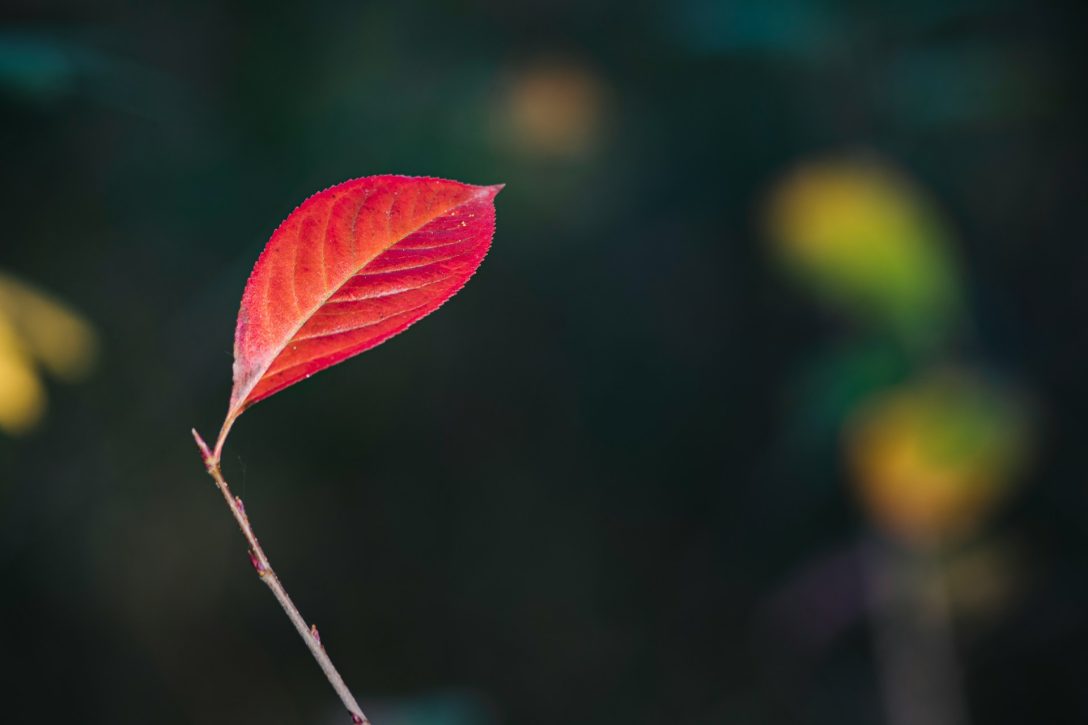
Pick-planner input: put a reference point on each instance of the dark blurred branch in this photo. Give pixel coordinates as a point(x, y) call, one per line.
point(912, 622)
point(268, 576)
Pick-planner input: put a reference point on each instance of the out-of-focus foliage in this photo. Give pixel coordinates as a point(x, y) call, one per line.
point(931, 452)
point(835, 382)
point(37, 330)
point(22, 395)
point(866, 241)
point(931, 459)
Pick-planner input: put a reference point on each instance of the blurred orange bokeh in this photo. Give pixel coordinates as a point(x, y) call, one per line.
point(552, 108)
point(932, 459)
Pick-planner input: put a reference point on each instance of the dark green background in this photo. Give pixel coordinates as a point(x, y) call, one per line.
point(575, 494)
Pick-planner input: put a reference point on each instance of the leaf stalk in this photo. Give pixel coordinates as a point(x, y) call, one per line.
point(264, 570)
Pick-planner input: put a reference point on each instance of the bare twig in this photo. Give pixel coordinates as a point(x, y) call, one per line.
point(268, 576)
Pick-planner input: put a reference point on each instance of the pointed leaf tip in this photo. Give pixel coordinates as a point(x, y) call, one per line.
point(351, 267)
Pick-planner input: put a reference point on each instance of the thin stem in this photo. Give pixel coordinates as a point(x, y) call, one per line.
point(268, 576)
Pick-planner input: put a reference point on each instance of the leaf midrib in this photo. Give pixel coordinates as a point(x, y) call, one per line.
point(240, 406)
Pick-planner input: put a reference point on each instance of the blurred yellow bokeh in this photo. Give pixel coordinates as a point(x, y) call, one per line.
point(931, 460)
point(37, 330)
point(22, 397)
point(867, 242)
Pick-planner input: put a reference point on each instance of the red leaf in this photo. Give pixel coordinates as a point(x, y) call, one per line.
point(351, 267)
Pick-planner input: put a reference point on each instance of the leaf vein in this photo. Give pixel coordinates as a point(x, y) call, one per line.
point(354, 328)
point(390, 293)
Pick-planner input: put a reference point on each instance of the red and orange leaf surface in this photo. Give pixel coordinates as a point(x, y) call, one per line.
point(351, 267)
